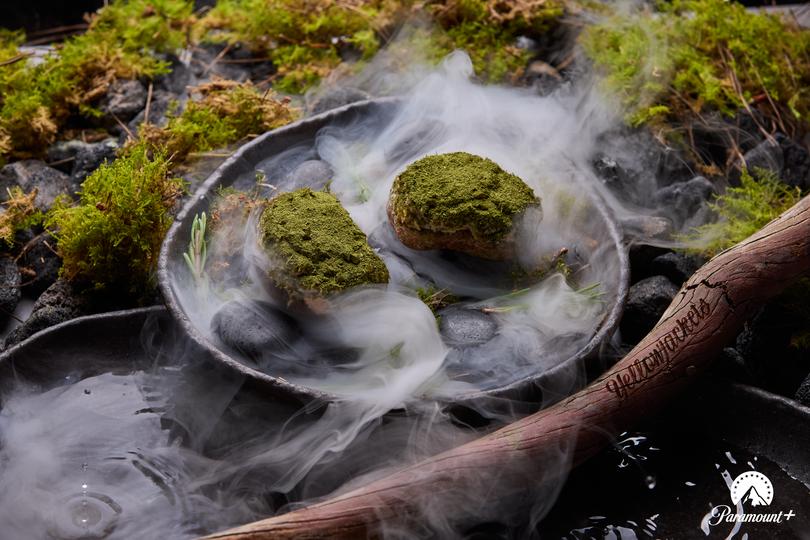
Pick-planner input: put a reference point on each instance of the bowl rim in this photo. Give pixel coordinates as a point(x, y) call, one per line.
point(526, 389)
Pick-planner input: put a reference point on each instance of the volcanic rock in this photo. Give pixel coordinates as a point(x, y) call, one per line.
point(767, 156)
point(124, 99)
point(30, 174)
point(159, 109)
point(61, 154)
point(677, 267)
point(685, 202)
point(39, 263)
point(90, 157)
point(337, 97)
point(176, 80)
point(796, 170)
point(59, 303)
point(646, 302)
point(9, 288)
point(459, 202)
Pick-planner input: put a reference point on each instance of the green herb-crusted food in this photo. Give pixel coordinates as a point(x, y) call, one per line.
point(461, 202)
point(315, 246)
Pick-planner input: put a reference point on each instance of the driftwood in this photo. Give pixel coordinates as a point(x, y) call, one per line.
point(706, 314)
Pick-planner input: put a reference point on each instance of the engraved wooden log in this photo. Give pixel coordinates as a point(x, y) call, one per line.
point(706, 314)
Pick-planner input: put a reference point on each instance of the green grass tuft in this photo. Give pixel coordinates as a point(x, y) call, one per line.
point(742, 211)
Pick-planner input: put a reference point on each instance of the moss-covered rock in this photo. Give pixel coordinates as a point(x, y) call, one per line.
point(315, 246)
point(461, 202)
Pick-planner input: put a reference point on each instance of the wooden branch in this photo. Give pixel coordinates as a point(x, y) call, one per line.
point(707, 313)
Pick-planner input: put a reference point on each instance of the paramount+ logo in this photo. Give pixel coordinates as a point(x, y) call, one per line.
point(750, 492)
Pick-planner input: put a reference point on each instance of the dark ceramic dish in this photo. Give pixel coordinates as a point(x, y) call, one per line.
point(242, 165)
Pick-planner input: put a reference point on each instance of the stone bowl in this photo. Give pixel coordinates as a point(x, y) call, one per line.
point(239, 171)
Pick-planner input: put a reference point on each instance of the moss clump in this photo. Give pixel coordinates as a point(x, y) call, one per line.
point(226, 113)
point(119, 44)
point(20, 213)
point(316, 246)
point(488, 31)
point(698, 55)
point(306, 40)
point(112, 238)
point(742, 211)
point(303, 38)
point(457, 201)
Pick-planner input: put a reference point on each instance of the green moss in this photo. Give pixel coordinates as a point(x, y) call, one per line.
point(119, 44)
point(316, 244)
point(19, 213)
point(698, 55)
point(488, 30)
point(112, 238)
point(301, 37)
point(436, 299)
point(226, 113)
point(742, 211)
point(304, 39)
point(459, 191)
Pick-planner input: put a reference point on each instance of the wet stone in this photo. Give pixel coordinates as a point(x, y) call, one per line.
point(254, 329)
point(646, 302)
point(463, 328)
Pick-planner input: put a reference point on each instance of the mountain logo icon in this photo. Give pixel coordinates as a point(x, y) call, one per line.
point(752, 488)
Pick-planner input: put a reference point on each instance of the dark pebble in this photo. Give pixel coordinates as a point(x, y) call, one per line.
point(685, 202)
point(313, 173)
point(677, 267)
point(9, 288)
point(337, 97)
point(123, 100)
point(463, 328)
point(796, 168)
point(89, 158)
point(646, 302)
point(159, 108)
point(59, 303)
point(255, 329)
point(176, 80)
point(39, 264)
point(30, 174)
